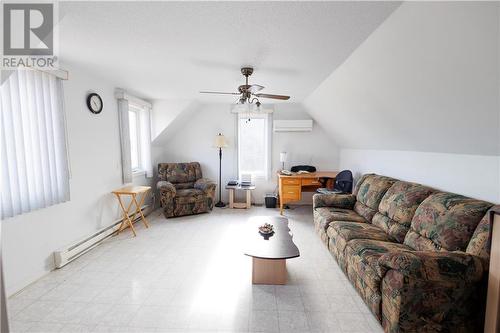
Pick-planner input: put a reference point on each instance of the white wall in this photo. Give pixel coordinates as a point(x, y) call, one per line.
point(419, 99)
point(193, 141)
point(425, 80)
point(165, 112)
point(471, 175)
point(94, 148)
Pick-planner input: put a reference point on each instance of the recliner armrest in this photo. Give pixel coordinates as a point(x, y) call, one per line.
point(434, 266)
point(166, 188)
point(204, 184)
point(346, 201)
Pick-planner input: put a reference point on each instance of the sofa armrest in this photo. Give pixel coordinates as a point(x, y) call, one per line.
point(434, 266)
point(206, 185)
point(166, 188)
point(346, 201)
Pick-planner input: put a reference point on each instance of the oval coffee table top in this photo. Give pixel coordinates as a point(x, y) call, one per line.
point(278, 245)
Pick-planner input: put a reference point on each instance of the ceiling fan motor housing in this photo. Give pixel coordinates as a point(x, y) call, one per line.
point(247, 71)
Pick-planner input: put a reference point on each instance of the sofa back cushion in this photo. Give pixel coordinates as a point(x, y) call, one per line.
point(480, 243)
point(445, 221)
point(398, 206)
point(179, 172)
point(369, 191)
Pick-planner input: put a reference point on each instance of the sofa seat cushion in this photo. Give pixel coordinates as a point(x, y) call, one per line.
point(445, 221)
point(190, 195)
point(355, 230)
point(341, 232)
point(181, 186)
point(325, 215)
point(362, 257)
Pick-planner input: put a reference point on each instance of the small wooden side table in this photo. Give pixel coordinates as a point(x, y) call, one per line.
point(131, 191)
point(247, 189)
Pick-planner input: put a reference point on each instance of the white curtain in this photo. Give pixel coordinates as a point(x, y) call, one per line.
point(34, 159)
point(125, 140)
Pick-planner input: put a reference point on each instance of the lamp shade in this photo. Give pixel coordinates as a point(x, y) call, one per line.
point(283, 157)
point(220, 141)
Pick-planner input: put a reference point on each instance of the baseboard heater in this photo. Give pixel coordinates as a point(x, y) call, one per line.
point(67, 254)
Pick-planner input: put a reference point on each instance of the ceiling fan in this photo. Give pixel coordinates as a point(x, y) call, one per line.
point(248, 94)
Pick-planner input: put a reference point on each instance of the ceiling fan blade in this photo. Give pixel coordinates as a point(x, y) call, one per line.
point(282, 97)
point(219, 93)
point(255, 88)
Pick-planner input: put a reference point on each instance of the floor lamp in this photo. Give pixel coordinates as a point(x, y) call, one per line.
point(220, 142)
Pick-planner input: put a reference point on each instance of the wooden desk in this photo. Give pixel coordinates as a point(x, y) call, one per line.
point(133, 191)
point(291, 187)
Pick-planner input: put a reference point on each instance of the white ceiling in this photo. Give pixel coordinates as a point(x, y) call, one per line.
point(171, 50)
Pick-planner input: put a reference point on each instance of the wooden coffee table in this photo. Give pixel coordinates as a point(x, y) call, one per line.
point(269, 253)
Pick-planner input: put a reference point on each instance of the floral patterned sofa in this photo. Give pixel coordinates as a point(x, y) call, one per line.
point(417, 256)
point(183, 190)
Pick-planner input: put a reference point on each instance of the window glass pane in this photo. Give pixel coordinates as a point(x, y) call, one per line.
point(134, 144)
point(252, 142)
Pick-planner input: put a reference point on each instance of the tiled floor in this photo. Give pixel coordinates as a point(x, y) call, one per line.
point(189, 275)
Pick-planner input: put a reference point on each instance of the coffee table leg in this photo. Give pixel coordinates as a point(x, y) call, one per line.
point(268, 271)
point(231, 198)
point(249, 199)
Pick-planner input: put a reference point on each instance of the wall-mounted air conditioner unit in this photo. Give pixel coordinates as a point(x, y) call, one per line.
point(293, 125)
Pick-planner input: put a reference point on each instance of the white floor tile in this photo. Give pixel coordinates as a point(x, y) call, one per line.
point(264, 321)
point(188, 274)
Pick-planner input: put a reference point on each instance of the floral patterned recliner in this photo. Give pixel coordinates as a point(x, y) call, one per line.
point(183, 190)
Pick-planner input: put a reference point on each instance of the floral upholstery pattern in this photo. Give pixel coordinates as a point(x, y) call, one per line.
point(480, 243)
point(182, 189)
point(419, 261)
point(398, 206)
point(325, 215)
point(369, 194)
point(445, 221)
point(362, 256)
point(341, 232)
point(345, 201)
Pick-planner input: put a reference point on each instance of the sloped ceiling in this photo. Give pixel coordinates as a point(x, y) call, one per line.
point(172, 50)
point(426, 80)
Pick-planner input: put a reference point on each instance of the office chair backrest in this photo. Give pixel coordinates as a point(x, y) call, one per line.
point(343, 181)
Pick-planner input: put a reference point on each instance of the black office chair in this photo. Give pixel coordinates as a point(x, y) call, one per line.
point(343, 182)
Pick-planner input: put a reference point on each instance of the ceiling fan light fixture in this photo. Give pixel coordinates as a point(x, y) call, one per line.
point(252, 108)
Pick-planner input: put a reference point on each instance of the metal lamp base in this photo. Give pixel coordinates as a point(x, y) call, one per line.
point(220, 204)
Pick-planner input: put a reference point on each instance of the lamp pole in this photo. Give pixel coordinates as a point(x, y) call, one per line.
point(220, 203)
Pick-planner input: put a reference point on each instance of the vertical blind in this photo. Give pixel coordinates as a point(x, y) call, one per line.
point(34, 160)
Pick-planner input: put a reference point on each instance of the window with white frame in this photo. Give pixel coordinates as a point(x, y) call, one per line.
point(140, 137)
point(254, 145)
point(134, 115)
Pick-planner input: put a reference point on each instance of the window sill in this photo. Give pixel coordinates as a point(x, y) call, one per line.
point(138, 173)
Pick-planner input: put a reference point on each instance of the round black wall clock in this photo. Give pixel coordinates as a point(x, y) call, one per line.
point(94, 103)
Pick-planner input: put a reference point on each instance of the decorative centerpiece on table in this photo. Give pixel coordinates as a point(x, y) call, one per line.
point(266, 229)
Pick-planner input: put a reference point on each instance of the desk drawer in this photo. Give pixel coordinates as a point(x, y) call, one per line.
point(310, 181)
point(290, 181)
point(290, 192)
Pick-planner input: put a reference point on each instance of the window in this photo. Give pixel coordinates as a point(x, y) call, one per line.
point(254, 145)
point(134, 116)
point(134, 139)
point(33, 153)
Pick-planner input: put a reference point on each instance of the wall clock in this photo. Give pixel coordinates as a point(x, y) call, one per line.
point(94, 103)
